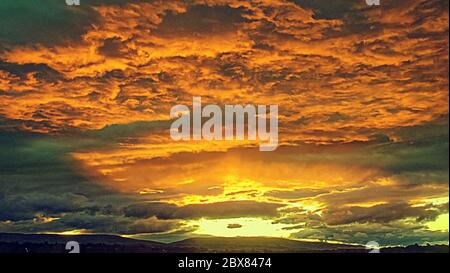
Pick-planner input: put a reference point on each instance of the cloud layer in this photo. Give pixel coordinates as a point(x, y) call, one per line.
point(85, 95)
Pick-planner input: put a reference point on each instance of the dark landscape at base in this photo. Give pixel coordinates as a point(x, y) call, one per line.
point(51, 243)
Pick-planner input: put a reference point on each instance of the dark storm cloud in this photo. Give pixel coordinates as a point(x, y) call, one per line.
point(296, 194)
point(116, 224)
point(10, 93)
point(233, 226)
point(388, 224)
point(114, 48)
point(348, 11)
point(385, 193)
point(201, 20)
point(336, 117)
point(228, 209)
point(92, 222)
point(43, 124)
point(49, 22)
point(419, 162)
point(118, 132)
point(38, 176)
point(26, 206)
point(325, 9)
point(430, 131)
point(37, 181)
point(144, 210)
point(416, 158)
point(393, 234)
point(383, 213)
point(46, 21)
point(40, 71)
point(306, 219)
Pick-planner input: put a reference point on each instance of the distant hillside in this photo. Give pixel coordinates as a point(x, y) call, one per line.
point(55, 238)
point(261, 244)
point(52, 243)
point(49, 243)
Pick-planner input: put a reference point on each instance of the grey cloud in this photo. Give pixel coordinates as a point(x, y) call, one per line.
point(385, 235)
point(226, 209)
point(41, 71)
point(386, 193)
point(337, 117)
point(46, 22)
point(328, 9)
point(296, 193)
point(93, 222)
point(200, 20)
point(233, 226)
point(383, 213)
point(37, 177)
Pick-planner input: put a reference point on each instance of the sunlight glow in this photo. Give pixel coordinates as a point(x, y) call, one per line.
point(240, 227)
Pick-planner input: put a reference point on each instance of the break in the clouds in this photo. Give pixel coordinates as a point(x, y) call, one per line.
point(86, 91)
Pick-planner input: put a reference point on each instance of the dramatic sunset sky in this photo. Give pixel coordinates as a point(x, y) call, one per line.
point(86, 93)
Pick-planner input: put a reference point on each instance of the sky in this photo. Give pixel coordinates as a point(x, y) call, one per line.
point(86, 93)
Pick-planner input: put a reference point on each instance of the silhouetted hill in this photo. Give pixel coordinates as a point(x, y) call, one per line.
point(85, 238)
point(50, 243)
point(53, 243)
point(261, 244)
